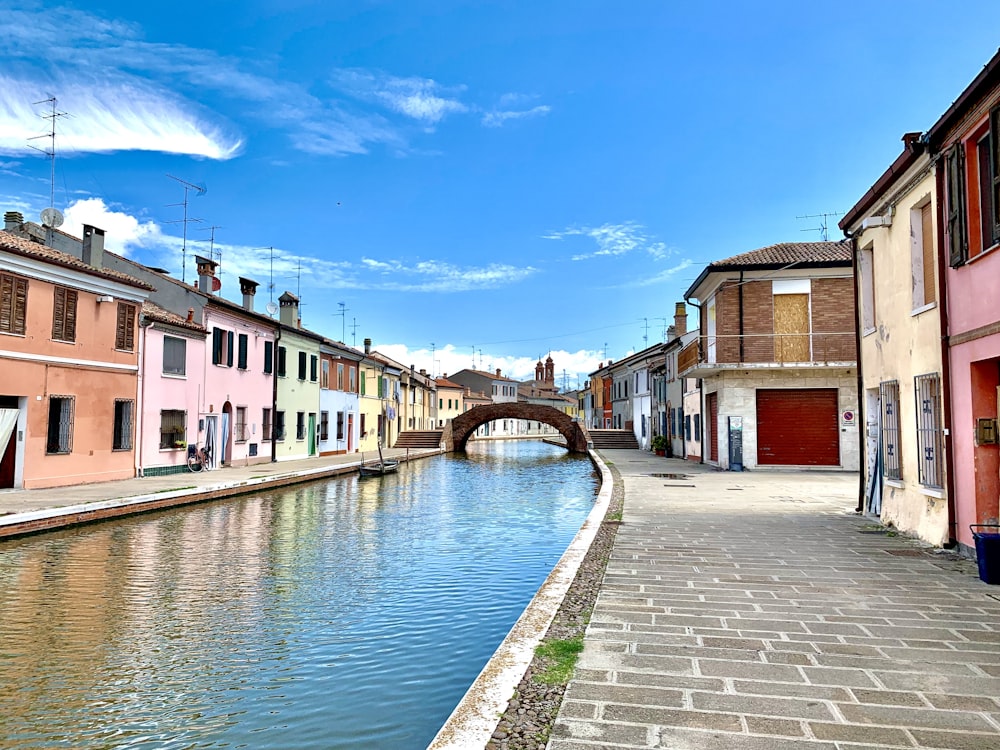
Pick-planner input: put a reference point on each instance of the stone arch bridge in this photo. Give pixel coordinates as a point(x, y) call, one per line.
point(459, 430)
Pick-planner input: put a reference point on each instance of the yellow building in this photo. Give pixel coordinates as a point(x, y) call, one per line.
point(380, 401)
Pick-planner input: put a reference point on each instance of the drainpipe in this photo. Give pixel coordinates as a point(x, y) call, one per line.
point(862, 401)
point(274, 394)
point(741, 316)
point(945, 360)
point(701, 381)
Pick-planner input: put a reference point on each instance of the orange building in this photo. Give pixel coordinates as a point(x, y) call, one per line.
point(69, 358)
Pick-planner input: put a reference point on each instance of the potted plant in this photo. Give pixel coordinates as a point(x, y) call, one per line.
point(660, 445)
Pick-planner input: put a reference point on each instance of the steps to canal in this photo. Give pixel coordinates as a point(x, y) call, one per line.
point(419, 439)
point(613, 439)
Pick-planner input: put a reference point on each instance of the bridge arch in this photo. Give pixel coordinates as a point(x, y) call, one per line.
point(460, 429)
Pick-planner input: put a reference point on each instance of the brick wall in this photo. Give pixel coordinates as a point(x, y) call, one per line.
point(727, 323)
point(758, 322)
point(833, 320)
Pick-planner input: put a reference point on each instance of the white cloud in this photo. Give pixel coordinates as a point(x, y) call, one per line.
point(615, 239)
point(497, 118)
point(660, 277)
point(123, 232)
point(418, 98)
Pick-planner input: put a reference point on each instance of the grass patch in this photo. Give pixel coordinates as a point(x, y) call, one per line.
point(559, 658)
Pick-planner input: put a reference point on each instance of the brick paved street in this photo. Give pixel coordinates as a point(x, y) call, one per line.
point(756, 612)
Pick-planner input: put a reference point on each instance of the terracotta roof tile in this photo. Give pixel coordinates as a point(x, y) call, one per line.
point(19, 246)
point(785, 253)
point(159, 314)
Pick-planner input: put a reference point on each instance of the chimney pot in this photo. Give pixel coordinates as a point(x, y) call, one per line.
point(12, 221)
point(190, 315)
point(249, 288)
point(93, 246)
point(680, 319)
point(498, 372)
point(368, 346)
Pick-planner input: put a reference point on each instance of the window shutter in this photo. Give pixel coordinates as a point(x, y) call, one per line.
point(302, 365)
point(242, 363)
point(15, 302)
point(312, 368)
point(69, 326)
point(268, 357)
point(958, 240)
point(229, 348)
point(995, 170)
point(125, 334)
point(282, 356)
point(217, 346)
point(58, 313)
point(6, 303)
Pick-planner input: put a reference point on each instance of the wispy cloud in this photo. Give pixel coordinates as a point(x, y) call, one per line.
point(614, 239)
point(497, 118)
point(421, 99)
point(658, 278)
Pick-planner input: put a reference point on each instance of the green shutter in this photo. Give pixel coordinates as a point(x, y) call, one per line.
point(229, 348)
point(216, 346)
point(958, 238)
point(242, 361)
point(268, 357)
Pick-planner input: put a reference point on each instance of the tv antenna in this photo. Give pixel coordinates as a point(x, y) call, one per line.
point(270, 278)
point(343, 320)
point(432, 359)
point(51, 151)
point(354, 331)
point(823, 223)
point(199, 190)
point(664, 327)
point(212, 252)
point(645, 335)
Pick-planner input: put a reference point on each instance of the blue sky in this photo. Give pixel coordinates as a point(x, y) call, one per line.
point(496, 180)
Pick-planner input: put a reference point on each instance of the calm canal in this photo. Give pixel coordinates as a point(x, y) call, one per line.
point(339, 614)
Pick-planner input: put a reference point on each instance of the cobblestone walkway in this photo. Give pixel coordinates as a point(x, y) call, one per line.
point(757, 612)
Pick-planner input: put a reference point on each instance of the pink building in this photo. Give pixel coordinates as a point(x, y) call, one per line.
point(966, 140)
point(69, 354)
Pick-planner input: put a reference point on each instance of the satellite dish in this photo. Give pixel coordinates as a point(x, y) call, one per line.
point(271, 308)
point(52, 217)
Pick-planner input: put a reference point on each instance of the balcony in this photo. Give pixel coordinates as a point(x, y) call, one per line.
point(710, 355)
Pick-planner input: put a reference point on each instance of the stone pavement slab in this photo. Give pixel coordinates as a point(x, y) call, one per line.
point(757, 611)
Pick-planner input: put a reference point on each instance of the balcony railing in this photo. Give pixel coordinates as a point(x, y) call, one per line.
point(767, 350)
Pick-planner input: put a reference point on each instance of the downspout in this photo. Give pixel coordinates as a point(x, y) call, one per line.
point(741, 315)
point(274, 394)
point(701, 381)
point(142, 398)
point(862, 401)
point(945, 360)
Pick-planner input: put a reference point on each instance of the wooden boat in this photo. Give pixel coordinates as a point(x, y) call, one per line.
point(378, 468)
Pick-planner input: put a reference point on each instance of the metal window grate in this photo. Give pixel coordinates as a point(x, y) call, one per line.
point(889, 393)
point(121, 439)
point(930, 436)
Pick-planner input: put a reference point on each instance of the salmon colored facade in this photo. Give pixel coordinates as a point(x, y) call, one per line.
point(69, 352)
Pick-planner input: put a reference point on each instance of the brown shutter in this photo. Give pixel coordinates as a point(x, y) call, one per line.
point(927, 239)
point(995, 170)
point(6, 303)
point(125, 334)
point(59, 313)
point(958, 240)
point(69, 326)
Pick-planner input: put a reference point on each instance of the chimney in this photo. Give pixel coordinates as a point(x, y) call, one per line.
point(93, 246)
point(12, 221)
point(206, 275)
point(249, 288)
point(498, 372)
point(423, 372)
point(368, 346)
point(190, 318)
point(289, 315)
point(680, 319)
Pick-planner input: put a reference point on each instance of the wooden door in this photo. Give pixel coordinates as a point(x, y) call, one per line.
point(711, 426)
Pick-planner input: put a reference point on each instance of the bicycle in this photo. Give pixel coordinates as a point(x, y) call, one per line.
point(197, 459)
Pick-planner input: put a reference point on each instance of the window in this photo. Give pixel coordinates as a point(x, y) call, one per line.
point(121, 439)
point(268, 357)
point(351, 379)
point(13, 303)
point(172, 430)
point(441, 403)
point(222, 347)
point(687, 426)
point(174, 356)
point(64, 314)
point(60, 427)
point(324, 425)
point(324, 381)
point(300, 425)
point(930, 437)
point(362, 425)
point(972, 198)
point(279, 425)
point(340, 377)
point(313, 365)
point(889, 392)
point(340, 425)
point(240, 435)
point(265, 425)
point(697, 427)
point(125, 330)
point(364, 376)
point(922, 255)
point(241, 357)
point(281, 361)
point(302, 365)
point(867, 266)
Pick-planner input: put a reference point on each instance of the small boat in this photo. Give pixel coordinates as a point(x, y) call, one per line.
point(378, 468)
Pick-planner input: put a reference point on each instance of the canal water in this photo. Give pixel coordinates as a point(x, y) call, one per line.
point(340, 614)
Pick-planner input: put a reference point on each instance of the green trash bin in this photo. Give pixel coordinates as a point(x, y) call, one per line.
point(987, 551)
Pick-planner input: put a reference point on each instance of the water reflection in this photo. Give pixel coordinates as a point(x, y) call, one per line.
point(337, 614)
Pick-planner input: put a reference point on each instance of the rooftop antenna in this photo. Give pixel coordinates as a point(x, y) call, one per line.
point(605, 350)
point(270, 279)
point(645, 335)
point(199, 190)
point(212, 252)
point(664, 327)
point(354, 331)
point(432, 359)
point(51, 151)
point(343, 320)
point(823, 224)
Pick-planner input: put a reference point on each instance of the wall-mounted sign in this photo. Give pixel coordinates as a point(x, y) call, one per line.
point(848, 418)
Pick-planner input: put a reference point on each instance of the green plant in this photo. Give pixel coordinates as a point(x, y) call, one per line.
point(659, 443)
point(560, 657)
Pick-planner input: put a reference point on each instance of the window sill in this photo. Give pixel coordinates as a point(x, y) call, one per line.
point(984, 253)
point(922, 309)
point(897, 483)
point(64, 341)
point(174, 375)
point(935, 492)
point(868, 332)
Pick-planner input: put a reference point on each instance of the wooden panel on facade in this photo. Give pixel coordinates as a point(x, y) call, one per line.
point(791, 328)
point(798, 427)
point(712, 426)
point(688, 357)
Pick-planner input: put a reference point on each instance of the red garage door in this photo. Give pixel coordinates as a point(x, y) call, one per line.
point(798, 427)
